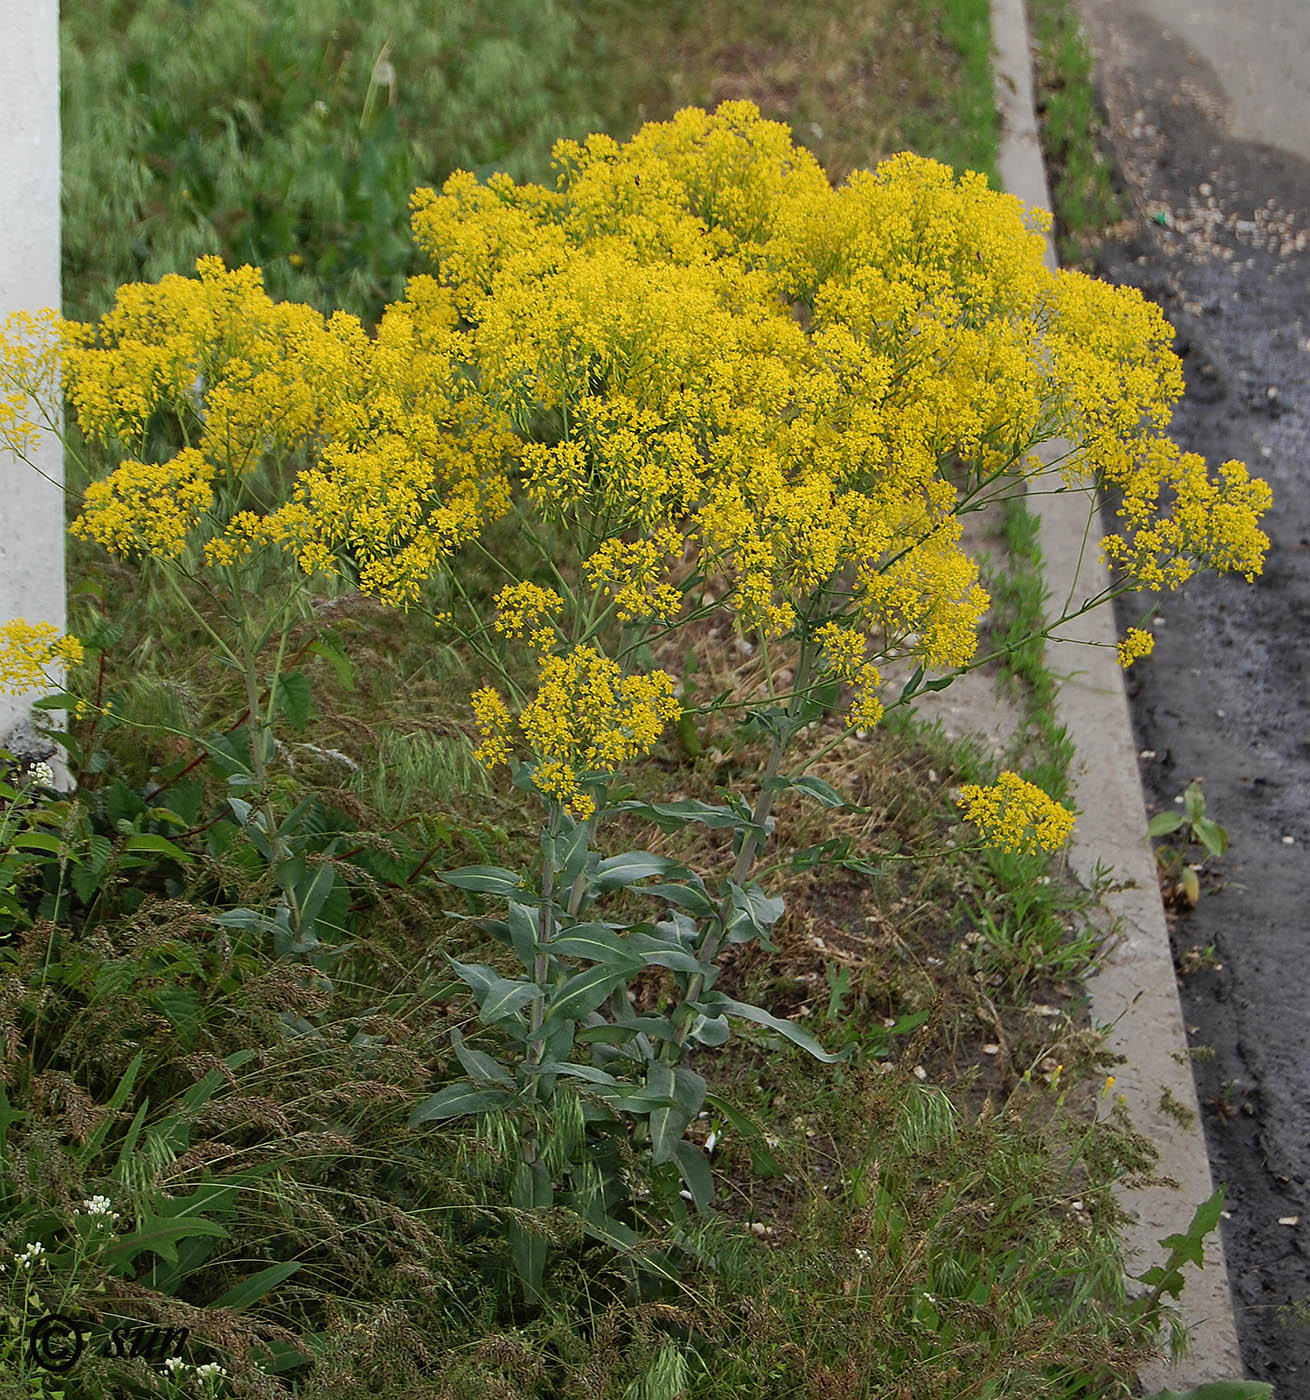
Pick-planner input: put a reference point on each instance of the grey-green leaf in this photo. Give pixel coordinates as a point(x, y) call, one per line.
point(455, 1101)
point(694, 1169)
point(477, 1064)
point(483, 879)
point(620, 870)
point(597, 944)
point(584, 992)
point(716, 1005)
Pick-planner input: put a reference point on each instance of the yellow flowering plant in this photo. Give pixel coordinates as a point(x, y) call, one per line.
point(692, 380)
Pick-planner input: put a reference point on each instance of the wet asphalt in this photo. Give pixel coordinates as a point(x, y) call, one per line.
point(1209, 114)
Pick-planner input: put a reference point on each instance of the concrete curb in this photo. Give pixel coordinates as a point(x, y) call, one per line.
point(1136, 993)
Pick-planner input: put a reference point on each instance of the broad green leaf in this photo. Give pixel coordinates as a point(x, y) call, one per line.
point(1165, 822)
point(158, 1235)
point(531, 1187)
point(313, 891)
point(484, 879)
point(670, 816)
point(336, 658)
point(823, 793)
point(691, 897)
point(1211, 835)
point(498, 997)
point(606, 1035)
point(567, 853)
point(455, 1101)
point(617, 871)
point(524, 923)
point(753, 914)
point(477, 1064)
point(38, 841)
point(574, 1071)
point(597, 944)
point(710, 1030)
point(252, 1289)
point(716, 1004)
point(291, 699)
point(694, 1168)
point(62, 700)
point(1189, 1248)
point(161, 845)
point(657, 951)
point(667, 1125)
point(1194, 801)
point(912, 685)
point(585, 991)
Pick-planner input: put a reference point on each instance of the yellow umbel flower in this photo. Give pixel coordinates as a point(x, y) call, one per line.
point(1134, 646)
point(28, 650)
point(588, 717)
point(520, 606)
point(629, 573)
point(493, 726)
point(1016, 815)
point(148, 508)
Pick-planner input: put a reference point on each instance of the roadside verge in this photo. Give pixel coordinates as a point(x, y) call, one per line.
point(1135, 993)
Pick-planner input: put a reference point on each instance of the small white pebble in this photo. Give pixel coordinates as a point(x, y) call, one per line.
point(1147, 753)
point(991, 1049)
point(1288, 840)
point(920, 1072)
point(1289, 1219)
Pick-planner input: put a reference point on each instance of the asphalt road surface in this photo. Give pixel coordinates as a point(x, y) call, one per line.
point(1209, 106)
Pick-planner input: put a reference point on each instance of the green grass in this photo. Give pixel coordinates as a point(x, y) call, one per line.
point(288, 137)
point(1074, 142)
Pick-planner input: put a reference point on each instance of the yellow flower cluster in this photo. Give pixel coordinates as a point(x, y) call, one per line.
point(1016, 815)
point(1134, 646)
point(794, 382)
point(148, 507)
point(29, 378)
point(519, 610)
point(692, 352)
point(493, 727)
point(629, 572)
point(843, 650)
point(407, 458)
point(28, 650)
point(586, 718)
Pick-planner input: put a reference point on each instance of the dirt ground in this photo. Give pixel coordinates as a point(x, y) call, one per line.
point(1219, 240)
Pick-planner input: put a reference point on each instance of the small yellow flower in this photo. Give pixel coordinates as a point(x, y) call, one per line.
point(493, 725)
point(1134, 646)
point(28, 650)
point(1016, 815)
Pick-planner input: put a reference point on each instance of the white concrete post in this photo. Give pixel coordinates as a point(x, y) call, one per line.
point(31, 508)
